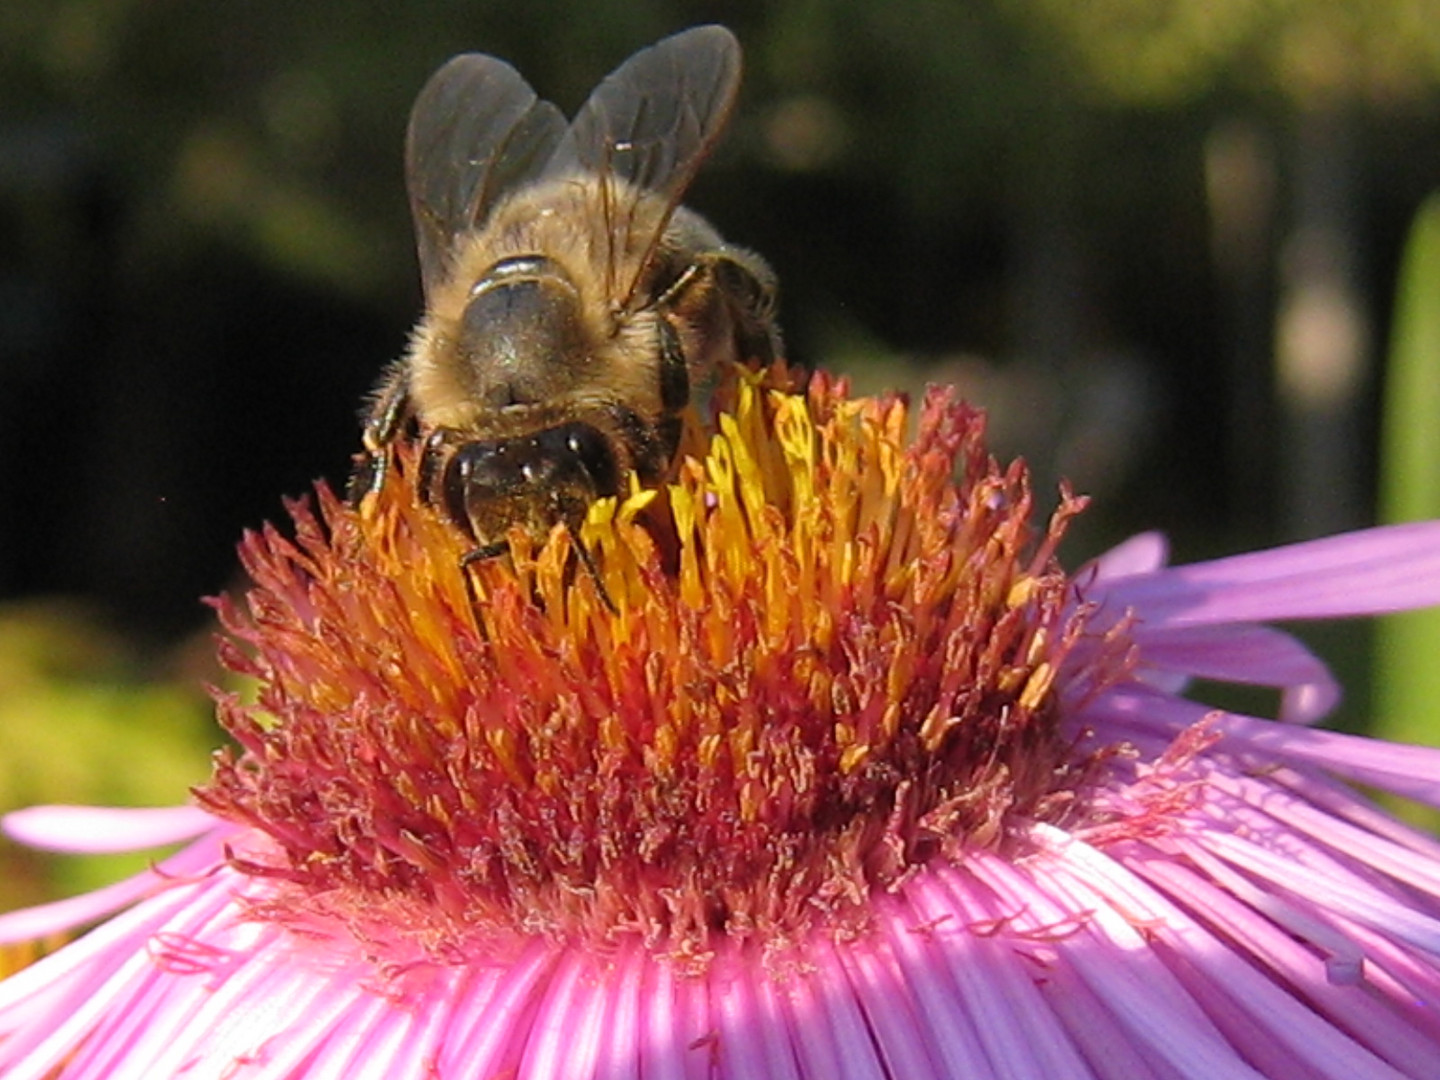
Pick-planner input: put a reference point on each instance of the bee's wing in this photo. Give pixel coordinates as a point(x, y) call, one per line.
point(477, 131)
point(651, 123)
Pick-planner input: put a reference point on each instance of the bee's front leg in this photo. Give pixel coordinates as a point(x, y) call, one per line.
point(389, 411)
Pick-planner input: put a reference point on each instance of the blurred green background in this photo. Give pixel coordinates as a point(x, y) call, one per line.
point(1158, 238)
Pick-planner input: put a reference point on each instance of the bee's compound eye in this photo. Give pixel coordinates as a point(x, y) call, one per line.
point(579, 440)
point(580, 450)
point(480, 463)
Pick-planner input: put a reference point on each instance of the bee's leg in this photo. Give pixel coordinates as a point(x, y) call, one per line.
point(588, 561)
point(367, 474)
point(654, 443)
point(474, 555)
point(571, 510)
point(484, 552)
point(501, 547)
point(432, 469)
point(674, 369)
point(748, 284)
point(681, 285)
point(388, 414)
point(389, 409)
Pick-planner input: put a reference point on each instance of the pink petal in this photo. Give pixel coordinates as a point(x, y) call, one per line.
point(1245, 654)
point(1038, 1038)
point(752, 1035)
point(1260, 1017)
point(1111, 955)
point(59, 916)
point(500, 1013)
point(1140, 554)
point(889, 1010)
point(954, 1040)
point(92, 830)
point(619, 1057)
point(1394, 568)
point(1412, 771)
point(830, 1036)
point(497, 1008)
point(565, 1035)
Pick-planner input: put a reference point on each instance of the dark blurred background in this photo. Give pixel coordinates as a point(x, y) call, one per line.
point(1158, 239)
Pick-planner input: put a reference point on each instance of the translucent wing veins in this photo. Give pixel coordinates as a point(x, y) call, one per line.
point(651, 123)
point(477, 130)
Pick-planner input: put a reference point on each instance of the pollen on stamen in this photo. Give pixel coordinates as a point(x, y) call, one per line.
point(831, 658)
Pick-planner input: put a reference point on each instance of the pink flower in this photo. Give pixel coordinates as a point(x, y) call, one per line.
point(854, 782)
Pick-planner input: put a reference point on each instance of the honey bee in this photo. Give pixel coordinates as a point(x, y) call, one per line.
point(571, 302)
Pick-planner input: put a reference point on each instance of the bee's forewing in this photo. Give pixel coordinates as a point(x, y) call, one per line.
point(477, 131)
point(651, 123)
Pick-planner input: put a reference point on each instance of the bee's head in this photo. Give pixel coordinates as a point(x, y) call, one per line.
point(535, 481)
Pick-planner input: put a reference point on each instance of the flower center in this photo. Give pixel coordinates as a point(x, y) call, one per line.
point(832, 657)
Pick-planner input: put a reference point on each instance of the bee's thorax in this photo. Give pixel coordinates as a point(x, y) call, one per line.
point(520, 332)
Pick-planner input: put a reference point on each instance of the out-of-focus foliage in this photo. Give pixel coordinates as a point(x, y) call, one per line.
point(1410, 479)
point(1161, 51)
point(1407, 676)
point(81, 722)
